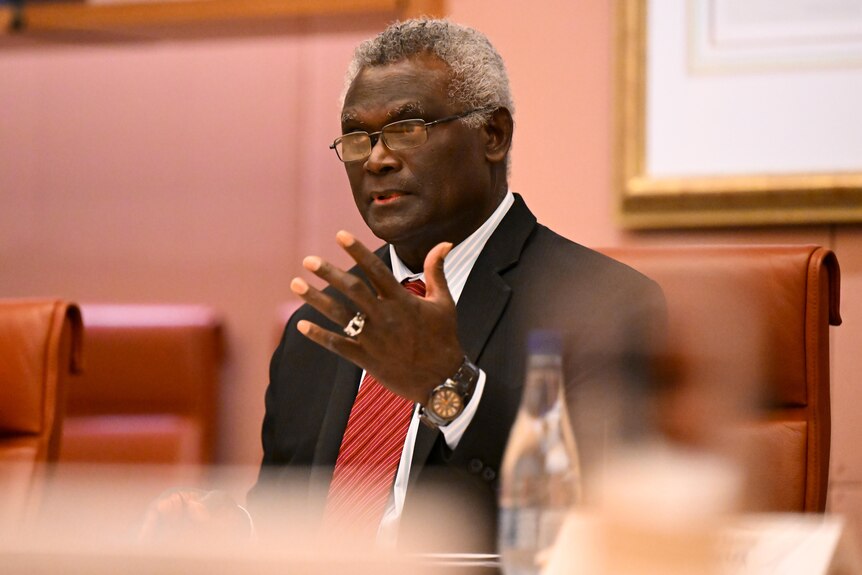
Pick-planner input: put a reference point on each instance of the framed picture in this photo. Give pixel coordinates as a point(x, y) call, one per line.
point(739, 112)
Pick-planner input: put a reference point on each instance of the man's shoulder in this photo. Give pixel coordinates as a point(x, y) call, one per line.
point(565, 257)
point(543, 251)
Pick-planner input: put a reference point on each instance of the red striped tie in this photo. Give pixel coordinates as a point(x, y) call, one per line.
point(369, 454)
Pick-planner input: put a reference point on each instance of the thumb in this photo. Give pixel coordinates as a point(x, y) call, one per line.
point(435, 280)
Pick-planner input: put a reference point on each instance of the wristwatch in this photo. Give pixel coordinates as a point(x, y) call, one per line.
point(448, 400)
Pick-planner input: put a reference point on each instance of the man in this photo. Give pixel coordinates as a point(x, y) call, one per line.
point(426, 133)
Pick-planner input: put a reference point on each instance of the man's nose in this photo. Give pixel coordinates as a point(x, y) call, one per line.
point(381, 159)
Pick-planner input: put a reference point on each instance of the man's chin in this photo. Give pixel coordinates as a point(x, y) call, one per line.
point(395, 233)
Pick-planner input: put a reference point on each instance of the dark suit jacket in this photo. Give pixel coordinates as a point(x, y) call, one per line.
point(526, 277)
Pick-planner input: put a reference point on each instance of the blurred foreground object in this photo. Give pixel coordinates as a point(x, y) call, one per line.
point(743, 420)
point(150, 390)
point(196, 514)
point(40, 346)
point(540, 479)
point(666, 511)
point(90, 518)
point(746, 371)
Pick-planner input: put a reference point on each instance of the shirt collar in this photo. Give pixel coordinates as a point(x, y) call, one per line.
point(460, 260)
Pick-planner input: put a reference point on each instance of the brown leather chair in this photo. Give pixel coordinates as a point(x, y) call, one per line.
point(749, 325)
point(40, 346)
point(150, 391)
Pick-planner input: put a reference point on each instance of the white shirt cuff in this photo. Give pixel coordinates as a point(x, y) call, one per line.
point(455, 430)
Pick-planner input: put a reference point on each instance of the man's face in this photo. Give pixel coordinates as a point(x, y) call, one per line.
point(416, 198)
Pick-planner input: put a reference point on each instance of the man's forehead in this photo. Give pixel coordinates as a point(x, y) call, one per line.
point(408, 85)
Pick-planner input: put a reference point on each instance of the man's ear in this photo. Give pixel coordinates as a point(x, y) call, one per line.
point(498, 132)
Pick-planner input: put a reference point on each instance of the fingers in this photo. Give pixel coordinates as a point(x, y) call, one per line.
point(355, 289)
point(172, 511)
point(343, 346)
point(332, 309)
point(350, 285)
point(435, 281)
point(372, 305)
point(378, 274)
point(194, 515)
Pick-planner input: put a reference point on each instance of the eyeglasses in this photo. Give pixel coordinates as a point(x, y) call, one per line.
point(401, 135)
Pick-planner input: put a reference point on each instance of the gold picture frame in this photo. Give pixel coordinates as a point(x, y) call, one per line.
point(746, 199)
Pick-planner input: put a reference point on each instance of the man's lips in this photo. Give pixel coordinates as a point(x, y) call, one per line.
point(387, 196)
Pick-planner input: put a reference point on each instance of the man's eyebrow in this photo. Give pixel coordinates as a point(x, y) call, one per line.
point(414, 108)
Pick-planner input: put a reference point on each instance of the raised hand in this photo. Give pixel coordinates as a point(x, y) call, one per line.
point(409, 344)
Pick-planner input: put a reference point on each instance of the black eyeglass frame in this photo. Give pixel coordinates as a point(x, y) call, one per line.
point(374, 136)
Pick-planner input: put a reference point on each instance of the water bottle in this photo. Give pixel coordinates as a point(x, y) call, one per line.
point(540, 476)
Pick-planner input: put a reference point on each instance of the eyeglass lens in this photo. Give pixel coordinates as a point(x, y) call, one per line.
point(397, 136)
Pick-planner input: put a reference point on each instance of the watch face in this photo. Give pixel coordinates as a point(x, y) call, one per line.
point(447, 403)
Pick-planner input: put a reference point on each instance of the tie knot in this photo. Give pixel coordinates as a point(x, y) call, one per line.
point(415, 286)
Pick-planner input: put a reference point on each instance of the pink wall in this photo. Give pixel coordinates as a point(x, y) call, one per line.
point(198, 171)
point(178, 171)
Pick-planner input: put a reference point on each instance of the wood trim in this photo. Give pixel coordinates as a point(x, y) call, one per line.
point(68, 16)
point(417, 8)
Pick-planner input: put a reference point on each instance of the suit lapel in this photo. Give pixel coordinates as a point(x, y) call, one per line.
point(482, 302)
point(486, 293)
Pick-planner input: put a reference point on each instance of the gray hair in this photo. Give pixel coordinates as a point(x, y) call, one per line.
point(478, 75)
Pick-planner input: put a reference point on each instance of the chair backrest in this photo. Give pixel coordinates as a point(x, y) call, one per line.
point(150, 391)
point(746, 322)
point(40, 346)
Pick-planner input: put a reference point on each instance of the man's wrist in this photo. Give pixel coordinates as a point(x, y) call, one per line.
point(447, 400)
